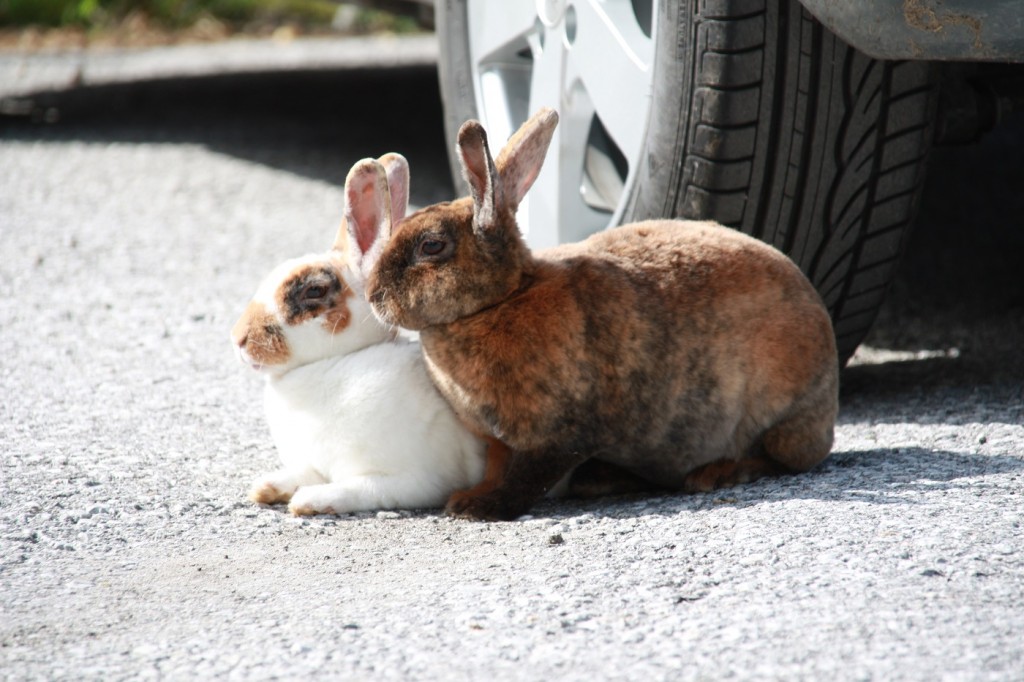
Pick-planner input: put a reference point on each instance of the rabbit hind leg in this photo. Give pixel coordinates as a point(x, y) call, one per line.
point(794, 445)
point(803, 440)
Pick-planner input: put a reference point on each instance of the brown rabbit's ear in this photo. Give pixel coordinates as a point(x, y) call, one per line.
point(397, 169)
point(479, 171)
point(520, 161)
point(367, 225)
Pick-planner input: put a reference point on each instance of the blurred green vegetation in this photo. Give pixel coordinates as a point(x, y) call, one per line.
point(176, 14)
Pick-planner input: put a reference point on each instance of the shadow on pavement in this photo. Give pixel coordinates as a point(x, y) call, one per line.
point(312, 123)
point(889, 476)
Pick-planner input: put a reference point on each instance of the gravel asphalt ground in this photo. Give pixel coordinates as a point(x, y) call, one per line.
point(132, 233)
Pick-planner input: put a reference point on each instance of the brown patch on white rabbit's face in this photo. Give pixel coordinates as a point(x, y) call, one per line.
point(259, 337)
point(292, 296)
point(436, 270)
point(316, 290)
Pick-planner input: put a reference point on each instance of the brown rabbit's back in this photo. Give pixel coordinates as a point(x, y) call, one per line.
point(737, 338)
point(659, 346)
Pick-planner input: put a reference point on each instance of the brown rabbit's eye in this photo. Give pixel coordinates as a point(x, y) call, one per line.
point(432, 247)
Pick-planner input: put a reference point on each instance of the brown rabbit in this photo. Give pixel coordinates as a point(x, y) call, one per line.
point(684, 352)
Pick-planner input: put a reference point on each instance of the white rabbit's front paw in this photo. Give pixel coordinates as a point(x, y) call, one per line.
point(311, 500)
point(279, 486)
point(266, 491)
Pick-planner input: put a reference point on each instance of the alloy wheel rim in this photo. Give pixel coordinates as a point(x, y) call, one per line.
point(591, 60)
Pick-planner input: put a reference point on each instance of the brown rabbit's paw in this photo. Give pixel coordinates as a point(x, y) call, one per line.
point(726, 473)
point(264, 492)
point(595, 478)
point(487, 506)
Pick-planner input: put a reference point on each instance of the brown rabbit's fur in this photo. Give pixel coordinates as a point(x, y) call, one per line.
point(684, 352)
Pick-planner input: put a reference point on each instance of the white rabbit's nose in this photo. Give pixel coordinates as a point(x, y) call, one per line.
point(246, 359)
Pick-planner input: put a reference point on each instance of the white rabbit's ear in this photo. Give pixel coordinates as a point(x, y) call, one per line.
point(397, 169)
point(520, 161)
point(479, 171)
point(367, 225)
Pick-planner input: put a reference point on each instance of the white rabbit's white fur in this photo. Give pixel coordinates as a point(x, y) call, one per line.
point(356, 419)
point(367, 430)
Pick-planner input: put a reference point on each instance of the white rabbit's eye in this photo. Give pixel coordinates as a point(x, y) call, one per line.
point(314, 292)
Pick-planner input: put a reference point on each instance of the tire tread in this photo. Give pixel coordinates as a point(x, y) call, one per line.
point(809, 145)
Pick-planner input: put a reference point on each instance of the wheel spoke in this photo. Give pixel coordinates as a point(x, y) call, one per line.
point(613, 58)
point(496, 29)
point(540, 214)
point(547, 81)
point(554, 211)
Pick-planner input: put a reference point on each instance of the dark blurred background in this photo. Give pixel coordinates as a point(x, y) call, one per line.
point(34, 24)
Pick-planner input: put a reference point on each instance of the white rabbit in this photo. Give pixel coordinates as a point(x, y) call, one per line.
point(356, 419)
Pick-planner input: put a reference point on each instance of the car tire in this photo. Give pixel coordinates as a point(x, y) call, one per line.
point(763, 120)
